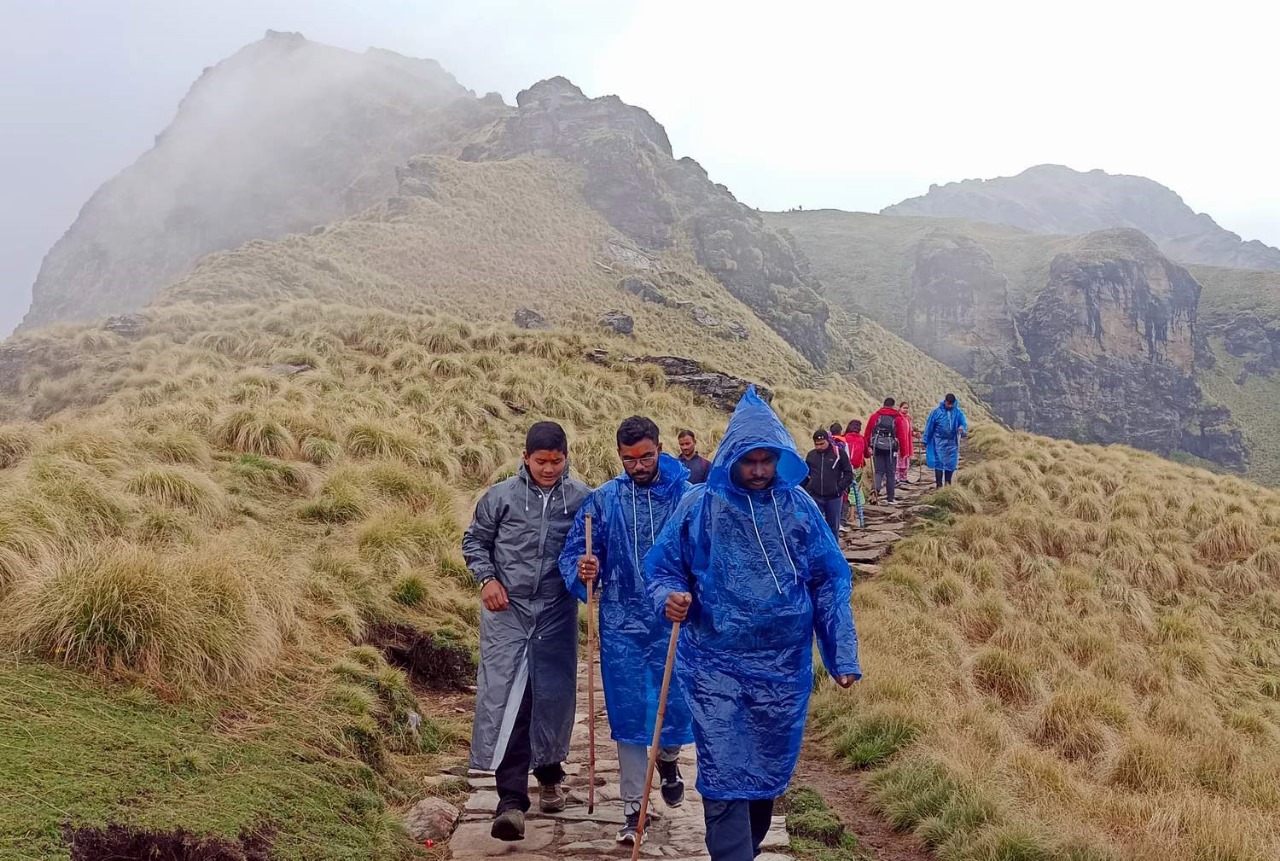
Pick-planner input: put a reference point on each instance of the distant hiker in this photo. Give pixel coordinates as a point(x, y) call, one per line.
point(694, 462)
point(527, 683)
point(941, 438)
point(837, 440)
point(908, 449)
point(857, 453)
point(887, 435)
point(627, 514)
point(747, 566)
point(829, 477)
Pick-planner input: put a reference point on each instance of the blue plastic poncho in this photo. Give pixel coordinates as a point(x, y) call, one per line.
point(941, 436)
point(626, 519)
point(766, 575)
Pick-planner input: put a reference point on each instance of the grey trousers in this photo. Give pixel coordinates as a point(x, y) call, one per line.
point(633, 766)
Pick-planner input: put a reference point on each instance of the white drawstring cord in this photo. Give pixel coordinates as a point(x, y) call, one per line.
point(776, 584)
point(795, 574)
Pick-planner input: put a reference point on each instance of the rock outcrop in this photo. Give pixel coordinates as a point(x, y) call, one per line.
point(282, 136)
point(632, 179)
point(723, 391)
point(1054, 199)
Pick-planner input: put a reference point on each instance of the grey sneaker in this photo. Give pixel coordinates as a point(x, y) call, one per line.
point(552, 798)
point(508, 825)
point(627, 833)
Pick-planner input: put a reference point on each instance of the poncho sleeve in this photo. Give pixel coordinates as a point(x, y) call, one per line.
point(575, 546)
point(667, 566)
point(477, 541)
point(831, 587)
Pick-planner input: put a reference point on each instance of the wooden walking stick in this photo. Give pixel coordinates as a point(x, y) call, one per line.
point(657, 737)
point(591, 682)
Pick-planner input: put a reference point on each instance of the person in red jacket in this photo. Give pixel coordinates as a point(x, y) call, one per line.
point(905, 453)
point(857, 444)
point(888, 433)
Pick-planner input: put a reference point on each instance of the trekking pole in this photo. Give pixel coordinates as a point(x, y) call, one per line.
point(591, 683)
point(657, 737)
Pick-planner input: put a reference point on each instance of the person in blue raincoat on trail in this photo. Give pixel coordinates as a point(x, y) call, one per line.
point(941, 438)
point(751, 568)
point(627, 515)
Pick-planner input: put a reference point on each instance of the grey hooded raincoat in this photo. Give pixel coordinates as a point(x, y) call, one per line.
point(516, 536)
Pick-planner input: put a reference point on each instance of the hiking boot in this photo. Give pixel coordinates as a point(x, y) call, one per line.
point(508, 825)
point(627, 833)
point(672, 783)
point(552, 798)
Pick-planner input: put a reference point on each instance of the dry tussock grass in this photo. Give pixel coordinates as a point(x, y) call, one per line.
point(1086, 651)
point(189, 535)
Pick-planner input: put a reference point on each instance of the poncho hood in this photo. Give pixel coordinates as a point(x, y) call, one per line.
point(755, 425)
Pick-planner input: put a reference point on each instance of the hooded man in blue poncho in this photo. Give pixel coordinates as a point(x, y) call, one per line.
point(627, 515)
point(947, 424)
point(751, 568)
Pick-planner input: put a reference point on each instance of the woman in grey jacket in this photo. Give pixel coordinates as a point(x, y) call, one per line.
point(527, 685)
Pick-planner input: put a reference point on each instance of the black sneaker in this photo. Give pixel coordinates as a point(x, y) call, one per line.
point(672, 783)
point(627, 833)
point(508, 825)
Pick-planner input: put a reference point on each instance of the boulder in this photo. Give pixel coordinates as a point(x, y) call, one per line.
point(703, 317)
point(431, 819)
point(289, 370)
point(1245, 335)
point(625, 254)
point(642, 288)
point(128, 326)
point(737, 330)
point(721, 390)
point(618, 322)
point(527, 318)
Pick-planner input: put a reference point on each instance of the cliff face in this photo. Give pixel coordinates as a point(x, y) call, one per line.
point(1094, 338)
point(1056, 199)
point(282, 136)
point(634, 181)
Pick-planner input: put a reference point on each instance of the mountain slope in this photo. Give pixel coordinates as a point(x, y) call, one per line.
point(284, 135)
point(1055, 199)
point(1090, 338)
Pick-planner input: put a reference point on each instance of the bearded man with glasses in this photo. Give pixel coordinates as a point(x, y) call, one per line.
point(627, 515)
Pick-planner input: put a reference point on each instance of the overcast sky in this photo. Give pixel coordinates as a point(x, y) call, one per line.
point(820, 104)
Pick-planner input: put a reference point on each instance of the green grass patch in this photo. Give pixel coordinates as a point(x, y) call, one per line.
point(817, 834)
point(73, 752)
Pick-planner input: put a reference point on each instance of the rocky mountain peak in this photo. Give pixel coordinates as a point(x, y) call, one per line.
point(1052, 198)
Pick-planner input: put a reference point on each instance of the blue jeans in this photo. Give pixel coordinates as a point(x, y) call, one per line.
point(832, 508)
point(735, 829)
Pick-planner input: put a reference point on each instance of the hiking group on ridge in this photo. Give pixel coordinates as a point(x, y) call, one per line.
point(750, 605)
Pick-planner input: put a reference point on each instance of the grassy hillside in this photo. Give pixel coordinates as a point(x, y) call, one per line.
point(1228, 292)
point(1077, 660)
point(191, 571)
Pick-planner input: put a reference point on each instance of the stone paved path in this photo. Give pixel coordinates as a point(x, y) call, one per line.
point(575, 834)
point(886, 525)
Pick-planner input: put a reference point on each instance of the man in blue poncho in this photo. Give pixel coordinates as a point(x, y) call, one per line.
point(627, 515)
point(751, 568)
point(941, 438)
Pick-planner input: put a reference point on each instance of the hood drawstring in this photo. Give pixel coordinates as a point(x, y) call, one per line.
point(760, 540)
point(635, 525)
point(795, 573)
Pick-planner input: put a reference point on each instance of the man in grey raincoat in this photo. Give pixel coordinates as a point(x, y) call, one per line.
point(527, 686)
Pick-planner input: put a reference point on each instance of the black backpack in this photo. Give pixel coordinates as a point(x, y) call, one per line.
point(884, 436)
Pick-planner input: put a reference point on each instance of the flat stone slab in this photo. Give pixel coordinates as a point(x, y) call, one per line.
point(472, 840)
point(483, 801)
point(777, 838)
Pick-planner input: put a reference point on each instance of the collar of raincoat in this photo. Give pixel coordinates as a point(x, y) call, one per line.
point(755, 425)
point(671, 472)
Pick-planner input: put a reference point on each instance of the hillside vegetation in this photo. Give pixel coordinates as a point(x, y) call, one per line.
point(193, 571)
point(1078, 659)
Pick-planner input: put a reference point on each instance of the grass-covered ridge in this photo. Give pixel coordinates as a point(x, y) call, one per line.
point(1080, 660)
point(191, 561)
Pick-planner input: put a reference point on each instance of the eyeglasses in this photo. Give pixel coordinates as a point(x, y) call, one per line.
point(636, 461)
